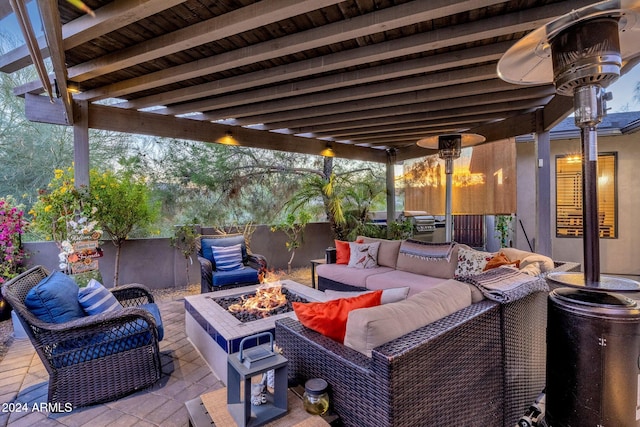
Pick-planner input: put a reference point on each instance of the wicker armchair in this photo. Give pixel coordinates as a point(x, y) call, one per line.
point(480, 366)
point(212, 279)
point(96, 358)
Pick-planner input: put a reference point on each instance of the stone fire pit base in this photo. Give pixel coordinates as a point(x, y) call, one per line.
point(216, 333)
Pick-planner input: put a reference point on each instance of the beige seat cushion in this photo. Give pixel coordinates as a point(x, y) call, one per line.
point(368, 328)
point(349, 276)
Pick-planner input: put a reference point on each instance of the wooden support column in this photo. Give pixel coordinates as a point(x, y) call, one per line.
point(543, 190)
point(81, 143)
point(391, 188)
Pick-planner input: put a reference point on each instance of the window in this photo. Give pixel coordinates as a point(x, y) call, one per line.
point(569, 195)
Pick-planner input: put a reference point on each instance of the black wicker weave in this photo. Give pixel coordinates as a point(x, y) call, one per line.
point(481, 366)
point(97, 358)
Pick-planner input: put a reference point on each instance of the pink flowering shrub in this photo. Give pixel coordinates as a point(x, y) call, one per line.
point(12, 225)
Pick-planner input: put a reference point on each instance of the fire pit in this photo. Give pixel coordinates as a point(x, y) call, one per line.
point(269, 299)
point(215, 332)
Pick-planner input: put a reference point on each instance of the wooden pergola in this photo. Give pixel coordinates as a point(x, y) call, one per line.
point(367, 78)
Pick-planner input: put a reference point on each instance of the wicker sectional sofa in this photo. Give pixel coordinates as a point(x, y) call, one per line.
point(397, 267)
point(479, 366)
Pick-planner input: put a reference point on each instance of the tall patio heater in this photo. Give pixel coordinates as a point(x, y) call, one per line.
point(449, 147)
point(593, 330)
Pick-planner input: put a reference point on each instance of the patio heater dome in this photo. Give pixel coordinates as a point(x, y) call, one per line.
point(588, 363)
point(581, 53)
point(449, 147)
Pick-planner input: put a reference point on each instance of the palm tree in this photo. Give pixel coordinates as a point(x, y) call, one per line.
point(344, 196)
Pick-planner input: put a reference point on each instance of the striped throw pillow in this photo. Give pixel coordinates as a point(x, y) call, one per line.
point(95, 298)
point(227, 258)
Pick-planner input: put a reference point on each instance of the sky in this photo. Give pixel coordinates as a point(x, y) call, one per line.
point(622, 90)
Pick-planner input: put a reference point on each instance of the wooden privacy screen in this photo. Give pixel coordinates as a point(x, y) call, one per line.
point(484, 181)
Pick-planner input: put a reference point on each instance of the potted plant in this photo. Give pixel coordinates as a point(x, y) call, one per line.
point(64, 213)
point(503, 229)
point(117, 204)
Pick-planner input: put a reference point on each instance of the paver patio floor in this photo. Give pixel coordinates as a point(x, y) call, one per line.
point(24, 382)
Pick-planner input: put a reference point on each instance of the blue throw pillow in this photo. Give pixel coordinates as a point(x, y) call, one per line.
point(227, 258)
point(55, 299)
point(95, 298)
point(208, 242)
point(155, 311)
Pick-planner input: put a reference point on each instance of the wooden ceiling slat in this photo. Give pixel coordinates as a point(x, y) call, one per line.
point(425, 121)
point(433, 94)
point(333, 81)
point(369, 91)
point(367, 24)
point(441, 111)
point(108, 18)
point(368, 74)
point(216, 28)
point(426, 106)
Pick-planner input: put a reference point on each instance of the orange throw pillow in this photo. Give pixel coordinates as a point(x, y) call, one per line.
point(330, 318)
point(498, 260)
point(343, 253)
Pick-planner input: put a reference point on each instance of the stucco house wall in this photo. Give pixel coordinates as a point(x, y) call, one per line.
point(617, 256)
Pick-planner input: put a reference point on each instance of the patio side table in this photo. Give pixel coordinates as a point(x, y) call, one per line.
point(315, 262)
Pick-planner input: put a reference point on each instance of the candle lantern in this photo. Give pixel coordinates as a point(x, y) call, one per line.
point(248, 364)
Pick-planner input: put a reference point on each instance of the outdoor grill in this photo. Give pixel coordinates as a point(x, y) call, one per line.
point(423, 224)
point(593, 334)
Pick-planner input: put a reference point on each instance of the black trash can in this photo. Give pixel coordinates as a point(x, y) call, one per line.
point(593, 359)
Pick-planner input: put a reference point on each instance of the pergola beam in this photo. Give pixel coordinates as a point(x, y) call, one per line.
point(22, 16)
point(431, 114)
point(40, 109)
point(217, 28)
point(395, 70)
point(108, 18)
point(333, 33)
point(438, 93)
point(53, 32)
point(102, 117)
point(435, 104)
point(350, 94)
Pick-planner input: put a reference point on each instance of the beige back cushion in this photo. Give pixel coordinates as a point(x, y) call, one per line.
point(388, 295)
point(542, 262)
point(388, 251)
point(435, 268)
point(368, 328)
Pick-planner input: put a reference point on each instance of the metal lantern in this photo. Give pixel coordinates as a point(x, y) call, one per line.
point(449, 147)
point(245, 365)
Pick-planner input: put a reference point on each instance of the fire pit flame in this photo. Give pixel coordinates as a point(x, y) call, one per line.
point(268, 297)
